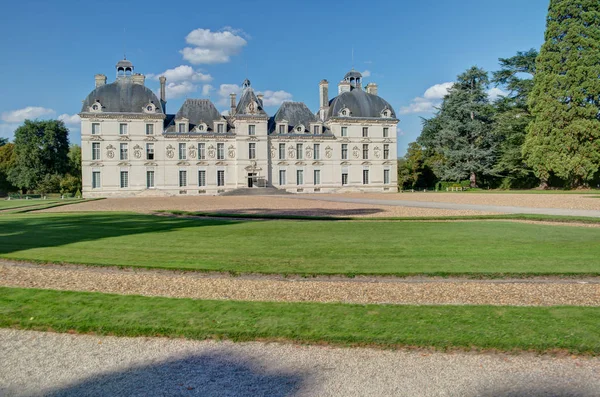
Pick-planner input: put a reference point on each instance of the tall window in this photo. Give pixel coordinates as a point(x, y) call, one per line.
point(251, 129)
point(317, 148)
point(149, 151)
point(282, 128)
point(123, 151)
point(317, 177)
point(221, 178)
point(299, 177)
point(365, 177)
point(149, 179)
point(344, 131)
point(282, 177)
point(95, 128)
point(220, 151)
point(149, 129)
point(181, 127)
point(365, 151)
point(344, 178)
point(365, 132)
point(202, 151)
point(316, 129)
point(96, 151)
point(122, 129)
point(182, 178)
point(386, 132)
point(282, 151)
point(344, 151)
point(386, 176)
point(220, 128)
point(182, 155)
point(386, 151)
point(252, 150)
point(299, 151)
point(96, 180)
point(201, 178)
point(124, 179)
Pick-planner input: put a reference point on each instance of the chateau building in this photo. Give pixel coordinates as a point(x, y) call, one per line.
point(132, 146)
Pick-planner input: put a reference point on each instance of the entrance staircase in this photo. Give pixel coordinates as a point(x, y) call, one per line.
point(255, 191)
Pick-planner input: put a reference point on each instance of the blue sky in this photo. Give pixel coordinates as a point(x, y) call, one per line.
point(52, 50)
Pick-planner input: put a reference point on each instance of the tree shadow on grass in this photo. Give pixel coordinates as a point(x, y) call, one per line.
point(316, 212)
point(28, 232)
point(213, 374)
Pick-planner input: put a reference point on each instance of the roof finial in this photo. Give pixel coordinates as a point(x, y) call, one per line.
point(124, 44)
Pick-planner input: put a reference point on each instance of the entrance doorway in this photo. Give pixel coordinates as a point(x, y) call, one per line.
point(251, 179)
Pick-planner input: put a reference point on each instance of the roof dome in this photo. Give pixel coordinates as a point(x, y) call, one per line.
point(122, 96)
point(361, 104)
point(124, 63)
point(353, 74)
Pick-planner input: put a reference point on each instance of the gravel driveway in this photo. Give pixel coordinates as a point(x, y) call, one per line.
point(48, 364)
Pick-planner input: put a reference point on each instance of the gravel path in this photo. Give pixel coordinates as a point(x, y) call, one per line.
point(374, 290)
point(254, 205)
point(438, 205)
point(36, 364)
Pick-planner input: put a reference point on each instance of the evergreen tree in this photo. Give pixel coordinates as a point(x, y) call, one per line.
point(3, 141)
point(465, 134)
point(7, 162)
point(512, 118)
point(41, 149)
point(564, 136)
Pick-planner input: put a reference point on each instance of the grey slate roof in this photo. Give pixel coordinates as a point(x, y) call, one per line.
point(122, 96)
point(360, 103)
point(248, 96)
point(295, 113)
point(353, 74)
point(197, 111)
point(124, 63)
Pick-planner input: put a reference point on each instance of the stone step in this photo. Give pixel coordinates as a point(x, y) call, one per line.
point(255, 191)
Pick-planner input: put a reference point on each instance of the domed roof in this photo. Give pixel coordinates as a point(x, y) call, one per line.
point(353, 74)
point(361, 104)
point(124, 63)
point(122, 96)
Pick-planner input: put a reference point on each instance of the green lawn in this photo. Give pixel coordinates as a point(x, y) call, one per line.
point(481, 327)
point(11, 204)
point(301, 247)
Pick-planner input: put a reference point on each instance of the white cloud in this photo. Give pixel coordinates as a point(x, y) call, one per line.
point(495, 93)
point(225, 90)
point(438, 91)
point(182, 73)
point(366, 73)
point(30, 112)
point(399, 131)
point(70, 120)
point(276, 98)
point(207, 89)
point(176, 90)
point(429, 101)
point(209, 47)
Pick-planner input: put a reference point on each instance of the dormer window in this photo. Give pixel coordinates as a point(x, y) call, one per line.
point(150, 108)
point(96, 107)
point(220, 128)
point(386, 113)
point(282, 128)
point(299, 129)
point(316, 129)
point(181, 127)
point(345, 112)
point(201, 127)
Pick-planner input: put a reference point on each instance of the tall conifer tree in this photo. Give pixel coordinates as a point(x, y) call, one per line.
point(564, 137)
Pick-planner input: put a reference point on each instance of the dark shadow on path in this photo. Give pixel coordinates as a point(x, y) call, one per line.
point(214, 374)
point(328, 212)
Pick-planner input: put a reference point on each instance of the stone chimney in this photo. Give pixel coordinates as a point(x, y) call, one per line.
point(372, 88)
point(323, 99)
point(138, 79)
point(100, 80)
point(163, 92)
point(233, 104)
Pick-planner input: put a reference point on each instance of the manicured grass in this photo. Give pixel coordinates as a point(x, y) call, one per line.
point(480, 327)
point(476, 248)
point(10, 204)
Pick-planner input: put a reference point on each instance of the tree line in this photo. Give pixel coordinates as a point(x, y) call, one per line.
point(40, 160)
point(545, 132)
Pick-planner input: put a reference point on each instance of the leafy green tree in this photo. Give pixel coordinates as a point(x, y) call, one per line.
point(3, 141)
point(50, 183)
point(41, 149)
point(75, 160)
point(7, 161)
point(512, 118)
point(465, 128)
point(564, 136)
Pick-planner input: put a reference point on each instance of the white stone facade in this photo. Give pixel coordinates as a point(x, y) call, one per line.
point(130, 146)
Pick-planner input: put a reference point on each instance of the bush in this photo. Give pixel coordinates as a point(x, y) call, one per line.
point(443, 185)
point(70, 185)
point(49, 184)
